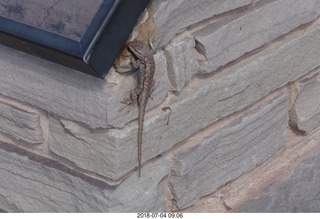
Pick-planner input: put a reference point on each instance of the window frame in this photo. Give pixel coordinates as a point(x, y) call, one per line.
point(97, 49)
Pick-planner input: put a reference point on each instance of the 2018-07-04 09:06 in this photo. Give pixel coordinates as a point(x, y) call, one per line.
point(160, 215)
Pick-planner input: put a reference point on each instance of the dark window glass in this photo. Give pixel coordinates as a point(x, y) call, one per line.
point(85, 35)
point(68, 18)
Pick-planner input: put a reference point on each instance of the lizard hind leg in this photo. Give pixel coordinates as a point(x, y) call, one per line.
point(131, 100)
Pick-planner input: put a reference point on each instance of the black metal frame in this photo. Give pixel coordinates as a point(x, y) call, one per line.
point(95, 53)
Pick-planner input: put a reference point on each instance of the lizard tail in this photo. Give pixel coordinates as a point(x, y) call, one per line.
point(140, 137)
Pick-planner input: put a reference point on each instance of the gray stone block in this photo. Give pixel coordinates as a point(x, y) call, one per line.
point(171, 17)
point(68, 93)
point(200, 104)
point(224, 43)
point(52, 87)
point(219, 155)
point(205, 101)
point(20, 122)
point(181, 62)
point(29, 186)
point(299, 193)
point(93, 150)
point(238, 87)
point(305, 113)
point(111, 153)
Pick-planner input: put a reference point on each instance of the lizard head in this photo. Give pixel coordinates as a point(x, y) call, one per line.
point(139, 49)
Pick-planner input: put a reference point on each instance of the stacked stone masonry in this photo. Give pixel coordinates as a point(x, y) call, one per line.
point(237, 95)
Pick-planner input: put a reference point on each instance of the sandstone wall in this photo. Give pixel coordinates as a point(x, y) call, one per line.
point(236, 109)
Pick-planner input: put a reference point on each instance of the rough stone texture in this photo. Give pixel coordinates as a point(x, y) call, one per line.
point(222, 44)
point(122, 86)
point(279, 167)
point(40, 154)
point(111, 153)
point(85, 157)
point(299, 193)
point(108, 152)
point(221, 155)
point(205, 101)
point(93, 150)
point(171, 17)
point(28, 186)
point(69, 93)
point(20, 122)
point(182, 64)
point(202, 102)
point(305, 114)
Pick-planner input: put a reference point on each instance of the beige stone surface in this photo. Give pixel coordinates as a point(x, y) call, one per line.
point(171, 17)
point(222, 43)
point(200, 104)
point(182, 63)
point(72, 94)
point(305, 112)
point(218, 155)
point(30, 186)
point(20, 122)
point(277, 168)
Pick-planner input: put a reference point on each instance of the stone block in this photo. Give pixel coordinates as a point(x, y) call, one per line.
point(222, 154)
point(93, 150)
point(181, 62)
point(249, 186)
point(111, 153)
point(200, 104)
point(223, 43)
point(171, 17)
point(233, 89)
point(305, 113)
point(298, 193)
point(20, 122)
point(29, 186)
point(68, 93)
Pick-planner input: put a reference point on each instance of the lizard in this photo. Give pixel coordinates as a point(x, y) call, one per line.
point(142, 59)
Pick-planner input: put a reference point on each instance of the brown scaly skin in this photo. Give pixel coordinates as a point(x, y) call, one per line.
point(142, 58)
